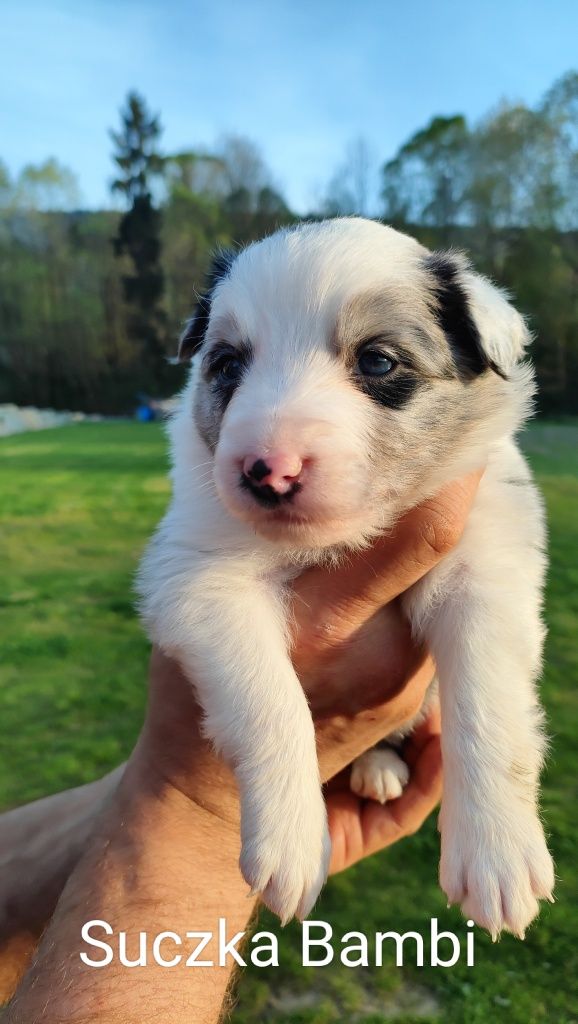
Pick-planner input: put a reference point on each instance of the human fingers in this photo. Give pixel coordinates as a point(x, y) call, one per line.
point(360, 828)
point(331, 603)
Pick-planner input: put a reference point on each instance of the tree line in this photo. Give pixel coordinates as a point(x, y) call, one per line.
point(91, 302)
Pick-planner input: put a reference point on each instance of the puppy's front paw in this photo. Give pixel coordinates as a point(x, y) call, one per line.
point(285, 852)
point(497, 871)
point(379, 774)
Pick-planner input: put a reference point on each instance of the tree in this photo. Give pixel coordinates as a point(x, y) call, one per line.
point(244, 169)
point(503, 189)
point(195, 172)
point(40, 188)
point(512, 181)
point(5, 186)
point(47, 186)
point(351, 188)
point(212, 199)
point(425, 182)
point(560, 108)
point(139, 239)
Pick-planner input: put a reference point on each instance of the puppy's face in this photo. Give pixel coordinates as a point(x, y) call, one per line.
point(339, 367)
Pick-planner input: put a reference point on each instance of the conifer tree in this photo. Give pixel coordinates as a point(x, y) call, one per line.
point(139, 238)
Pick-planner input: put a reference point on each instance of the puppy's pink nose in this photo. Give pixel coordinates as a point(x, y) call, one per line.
point(278, 470)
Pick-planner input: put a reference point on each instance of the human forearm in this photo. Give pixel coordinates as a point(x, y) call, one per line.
point(165, 856)
point(40, 843)
point(158, 862)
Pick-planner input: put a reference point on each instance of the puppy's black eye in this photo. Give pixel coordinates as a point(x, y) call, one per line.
point(227, 367)
point(374, 363)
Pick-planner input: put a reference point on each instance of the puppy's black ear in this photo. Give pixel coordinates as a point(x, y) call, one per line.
point(193, 335)
point(482, 328)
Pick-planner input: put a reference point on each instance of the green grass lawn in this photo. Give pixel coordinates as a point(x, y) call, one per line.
point(76, 506)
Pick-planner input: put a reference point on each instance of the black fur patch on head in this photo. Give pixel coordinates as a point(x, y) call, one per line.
point(455, 318)
point(194, 333)
point(393, 391)
point(224, 387)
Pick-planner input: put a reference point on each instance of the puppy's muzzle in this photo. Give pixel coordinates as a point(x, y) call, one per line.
point(273, 479)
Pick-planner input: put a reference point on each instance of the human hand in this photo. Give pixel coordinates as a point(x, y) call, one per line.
point(363, 675)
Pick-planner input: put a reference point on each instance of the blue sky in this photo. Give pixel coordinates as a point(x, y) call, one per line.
point(300, 78)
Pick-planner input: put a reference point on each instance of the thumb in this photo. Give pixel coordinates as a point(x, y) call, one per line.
point(347, 596)
point(342, 738)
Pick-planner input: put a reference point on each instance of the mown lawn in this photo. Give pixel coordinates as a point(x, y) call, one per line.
point(76, 505)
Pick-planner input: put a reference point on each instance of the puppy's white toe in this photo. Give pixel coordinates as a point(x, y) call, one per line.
point(379, 774)
point(285, 854)
point(498, 874)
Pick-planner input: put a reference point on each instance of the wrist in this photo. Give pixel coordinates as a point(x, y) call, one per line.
point(168, 810)
point(186, 774)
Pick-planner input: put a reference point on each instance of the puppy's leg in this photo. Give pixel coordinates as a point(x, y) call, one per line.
point(482, 623)
point(227, 632)
point(381, 773)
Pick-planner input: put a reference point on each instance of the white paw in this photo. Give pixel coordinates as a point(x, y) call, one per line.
point(379, 774)
point(497, 871)
point(286, 848)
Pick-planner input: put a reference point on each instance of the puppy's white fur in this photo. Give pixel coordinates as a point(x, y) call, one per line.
point(379, 774)
point(213, 582)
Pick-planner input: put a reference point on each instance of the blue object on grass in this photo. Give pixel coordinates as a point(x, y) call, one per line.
point(145, 414)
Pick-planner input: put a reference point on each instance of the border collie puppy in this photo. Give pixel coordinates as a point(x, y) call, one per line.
point(340, 374)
